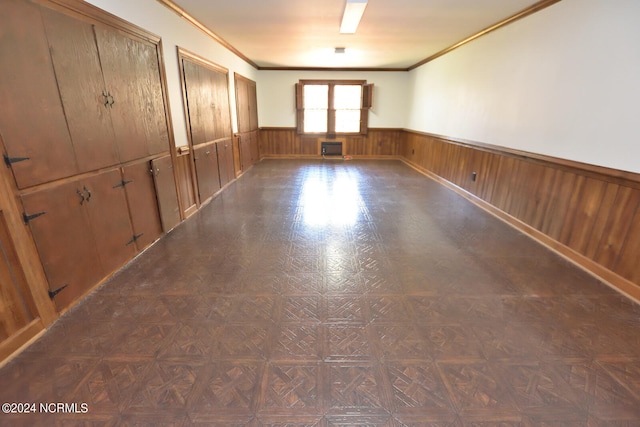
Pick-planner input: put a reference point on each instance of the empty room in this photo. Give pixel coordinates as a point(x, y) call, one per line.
point(320, 213)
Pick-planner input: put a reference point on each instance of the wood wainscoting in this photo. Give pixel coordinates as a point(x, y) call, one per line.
point(286, 142)
point(588, 214)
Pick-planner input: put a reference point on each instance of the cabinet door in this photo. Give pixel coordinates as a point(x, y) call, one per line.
point(32, 122)
point(225, 160)
point(255, 149)
point(82, 89)
point(132, 78)
point(245, 151)
point(64, 240)
point(109, 218)
point(221, 112)
point(143, 205)
point(199, 99)
point(207, 171)
point(166, 192)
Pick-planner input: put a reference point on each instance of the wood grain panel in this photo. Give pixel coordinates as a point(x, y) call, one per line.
point(207, 170)
point(16, 306)
point(27, 88)
point(165, 185)
point(143, 204)
point(591, 213)
point(286, 142)
point(82, 89)
point(186, 188)
point(108, 211)
point(65, 224)
point(132, 77)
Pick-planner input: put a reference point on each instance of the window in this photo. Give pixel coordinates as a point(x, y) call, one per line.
point(331, 107)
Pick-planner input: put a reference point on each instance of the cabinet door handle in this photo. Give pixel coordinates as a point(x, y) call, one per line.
point(106, 98)
point(112, 101)
point(81, 194)
point(86, 190)
point(207, 152)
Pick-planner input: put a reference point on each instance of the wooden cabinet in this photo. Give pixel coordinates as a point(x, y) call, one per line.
point(249, 152)
point(225, 161)
point(82, 232)
point(143, 204)
point(33, 127)
point(82, 117)
point(207, 170)
point(166, 193)
point(78, 96)
point(206, 99)
point(247, 113)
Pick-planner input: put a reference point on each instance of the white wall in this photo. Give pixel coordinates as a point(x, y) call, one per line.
point(175, 31)
point(564, 82)
point(277, 106)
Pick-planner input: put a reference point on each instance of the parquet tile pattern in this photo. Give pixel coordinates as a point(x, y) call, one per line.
point(334, 294)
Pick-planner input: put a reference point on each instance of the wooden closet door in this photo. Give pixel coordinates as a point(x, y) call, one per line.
point(163, 178)
point(207, 171)
point(132, 77)
point(32, 122)
point(82, 89)
point(225, 160)
point(221, 112)
point(109, 218)
point(198, 98)
point(143, 205)
point(64, 240)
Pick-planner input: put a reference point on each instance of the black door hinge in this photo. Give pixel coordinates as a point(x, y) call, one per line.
point(122, 183)
point(10, 160)
point(26, 218)
point(52, 294)
point(134, 238)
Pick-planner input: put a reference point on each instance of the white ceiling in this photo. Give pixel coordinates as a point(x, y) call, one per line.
point(304, 33)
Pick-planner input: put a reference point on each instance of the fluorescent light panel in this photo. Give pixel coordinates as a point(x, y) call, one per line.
point(352, 14)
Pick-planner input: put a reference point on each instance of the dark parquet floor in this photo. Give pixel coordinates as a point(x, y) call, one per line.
point(334, 294)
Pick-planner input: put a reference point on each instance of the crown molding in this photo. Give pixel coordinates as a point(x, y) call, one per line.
point(199, 25)
point(513, 18)
point(542, 4)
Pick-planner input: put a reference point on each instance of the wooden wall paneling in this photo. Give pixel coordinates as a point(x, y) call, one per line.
point(64, 224)
point(166, 192)
point(589, 214)
point(585, 214)
point(186, 186)
point(603, 214)
point(621, 212)
point(17, 308)
point(140, 190)
point(207, 170)
point(19, 317)
point(308, 146)
point(82, 89)
point(28, 88)
point(132, 78)
point(627, 264)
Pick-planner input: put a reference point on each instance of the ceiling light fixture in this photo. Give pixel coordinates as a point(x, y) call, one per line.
point(352, 14)
point(340, 50)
